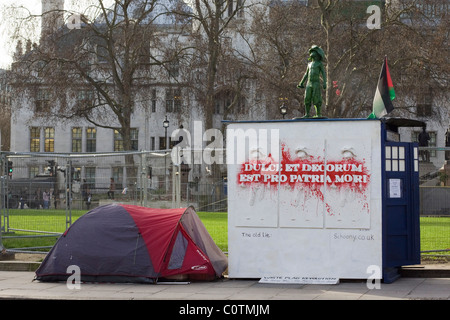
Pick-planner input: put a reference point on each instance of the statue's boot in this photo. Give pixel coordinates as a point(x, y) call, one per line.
point(307, 115)
point(318, 112)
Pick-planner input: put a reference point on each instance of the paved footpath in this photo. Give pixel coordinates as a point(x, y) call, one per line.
point(21, 285)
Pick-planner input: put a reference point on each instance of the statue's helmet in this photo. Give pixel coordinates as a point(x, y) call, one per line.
point(319, 51)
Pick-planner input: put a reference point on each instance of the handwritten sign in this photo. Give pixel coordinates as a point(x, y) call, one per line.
point(299, 280)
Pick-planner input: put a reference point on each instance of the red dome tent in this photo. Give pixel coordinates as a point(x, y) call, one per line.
point(126, 243)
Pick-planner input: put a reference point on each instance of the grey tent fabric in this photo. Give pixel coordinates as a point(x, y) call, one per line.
point(126, 243)
point(197, 231)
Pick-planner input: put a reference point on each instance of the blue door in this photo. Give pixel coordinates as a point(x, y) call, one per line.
point(401, 239)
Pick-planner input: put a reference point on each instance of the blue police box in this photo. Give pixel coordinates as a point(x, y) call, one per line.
point(401, 220)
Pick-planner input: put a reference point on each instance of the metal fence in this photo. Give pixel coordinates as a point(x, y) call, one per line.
point(75, 183)
point(60, 187)
point(434, 170)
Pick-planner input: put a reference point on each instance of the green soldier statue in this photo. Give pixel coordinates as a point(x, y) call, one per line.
point(312, 76)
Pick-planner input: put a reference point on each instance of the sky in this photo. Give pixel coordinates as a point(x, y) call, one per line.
point(9, 21)
point(7, 47)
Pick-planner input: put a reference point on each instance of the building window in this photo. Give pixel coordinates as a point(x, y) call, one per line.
point(85, 95)
point(173, 100)
point(102, 54)
point(424, 96)
point(230, 7)
point(49, 139)
point(431, 142)
point(33, 171)
point(144, 53)
point(118, 140)
point(177, 101)
point(174, 68)
point(424, 110)
point(35, 139)
point(218, 108)
point(154, 100)
point(235, 5)
point(76, 139)
point(117, 175)
point(240, 107)
point(42, 100)
point(152, 143)
point(91, 140)
point(433, 10)
point(162, 143)
point(89, 173)
point(240, 8)
point(134, 139)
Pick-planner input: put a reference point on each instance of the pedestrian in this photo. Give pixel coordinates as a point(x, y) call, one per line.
point(84, 190)
point(46, 199)
point(88, 200)
point(22, 202)
point(424, 137)
point(55, 198)
point(112, 188)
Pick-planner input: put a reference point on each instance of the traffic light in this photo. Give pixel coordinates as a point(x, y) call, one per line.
point(51, 167)
point(149, 172)
point(10, 168)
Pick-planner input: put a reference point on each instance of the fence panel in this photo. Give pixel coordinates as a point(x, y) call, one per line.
point(434, 170)
point(42, 193)
point(151, 179)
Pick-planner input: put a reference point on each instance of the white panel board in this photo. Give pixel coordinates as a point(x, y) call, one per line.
point(302, 194)
point(253, 169)
point(299, 215)
point(348, 166)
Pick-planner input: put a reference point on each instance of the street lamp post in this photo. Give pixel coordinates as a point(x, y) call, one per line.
point(165, 125)
point(283, 110)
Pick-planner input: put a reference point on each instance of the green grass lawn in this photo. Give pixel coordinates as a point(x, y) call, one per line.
point(435, 231)
point(55, 221)
point(217, 225)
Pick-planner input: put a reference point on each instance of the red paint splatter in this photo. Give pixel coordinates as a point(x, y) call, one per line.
point(307, 173)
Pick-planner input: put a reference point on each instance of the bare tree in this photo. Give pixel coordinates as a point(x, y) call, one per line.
point(281, 34)
point(354, 52)
point(97, 71)
point(418, 38)
point(5, 110)
point(211, 20)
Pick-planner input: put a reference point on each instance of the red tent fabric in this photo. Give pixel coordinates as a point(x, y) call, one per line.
point(127, 243)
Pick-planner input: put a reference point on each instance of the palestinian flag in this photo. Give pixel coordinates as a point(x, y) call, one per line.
point(382, 102)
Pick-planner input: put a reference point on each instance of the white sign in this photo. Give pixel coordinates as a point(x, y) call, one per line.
point(312, 207)
point(395, 190)
point(299, 280)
